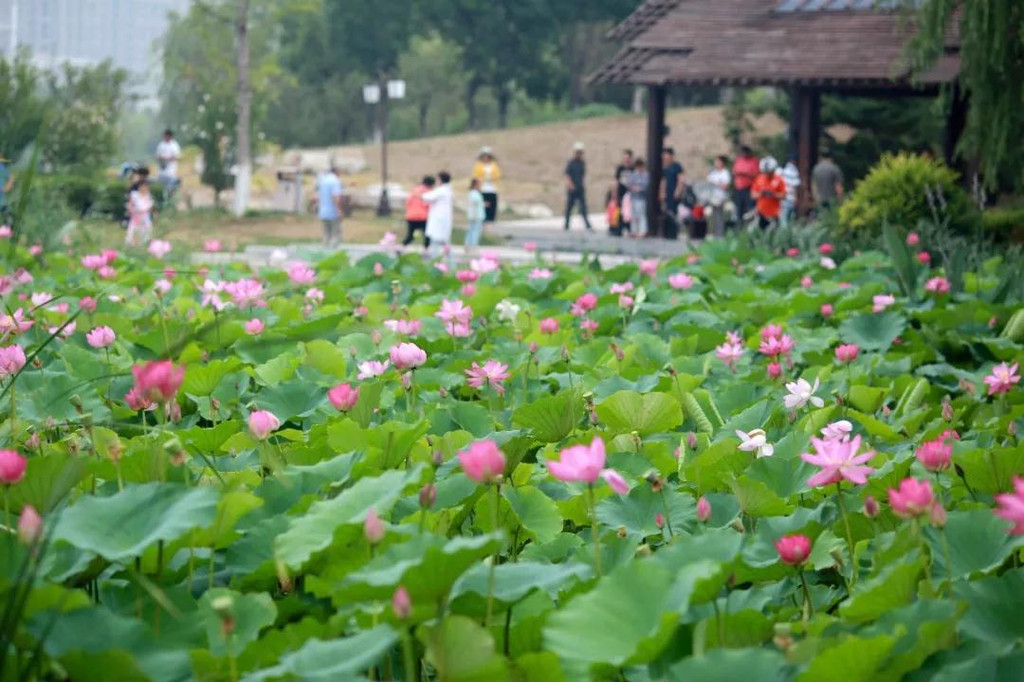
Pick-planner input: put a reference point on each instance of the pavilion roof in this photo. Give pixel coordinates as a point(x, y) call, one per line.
point(831, 43)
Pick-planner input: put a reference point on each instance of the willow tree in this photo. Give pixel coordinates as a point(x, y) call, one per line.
point(992, 64)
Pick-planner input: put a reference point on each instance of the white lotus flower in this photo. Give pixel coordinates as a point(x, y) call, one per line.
point(828, 263)
point(507, 311)
point(756, 441)
point(837, 429)
point(800, 393)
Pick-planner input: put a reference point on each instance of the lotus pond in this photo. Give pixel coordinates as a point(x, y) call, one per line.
point(733, 465)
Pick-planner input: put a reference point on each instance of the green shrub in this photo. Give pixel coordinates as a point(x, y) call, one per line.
point(93, 195)
point(1004, 224)
point(904, 189)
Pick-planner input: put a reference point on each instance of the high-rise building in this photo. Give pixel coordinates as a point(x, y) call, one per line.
point(127, 32)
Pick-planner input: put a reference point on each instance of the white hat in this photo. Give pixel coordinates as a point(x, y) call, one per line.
point(486, 150)
point(578, 147)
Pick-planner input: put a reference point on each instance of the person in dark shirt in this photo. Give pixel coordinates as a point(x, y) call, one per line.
point(672, 185)
point(621, 171)
point(576, 191)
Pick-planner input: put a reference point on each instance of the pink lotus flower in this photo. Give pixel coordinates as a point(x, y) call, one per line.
point(372, 368)
point(806, 282)
point(378, 269)
point(401, 602)
point(468, 290)
point(158, 248)
point(14, 323)
point(314, 295)
point(548, 325)
point(211, 295)
point(827, 263)
point(162, 286)
point(625, 302)
point(924, 258)
point(12, 359)
point(530, 246)
point(460, 330)
point(158, 381)
point(826, 249)
point(827, 310)
point(623, 288)
point(777, 345)
point(110, 255)
point(881, 302)
point(30, 525)
point(793, 252)
point(584, 304)
point(373, 527)
point(770, 331)
point(615, 481)
point(729, 353)
point(388, 240)
point(262, 423)
point(136, 401)
point(839, 461)
point(703, 510)
point(912, 498)
point(847, 353)
point(584, 464)
point(937, 285)
point(87, 303)
point(734, 338)
point(1011, 506)
point(35, 250)
point(407, 356)
point(6, 232)
point(467, 276)
point(404, 327)
point(492, 372)
point(41, 298)
point(793, 549)
point(539, 273)
point(649, 267)
point(64, 330)
point(245, 292)
point(211, 246)
point(692, 259)
point(301, 274)
point(837, 429)
point(774, 370)
point(913, 239)
point(588, 325)
point(1002, 378)
point(106, 272)
point(681, 281)
point(453, 312)
point(100, 337)
point(343, 396)
point(483, 462)
point(93, 261)
point(12, 467)
point(486, 263)
point(360, 311)
point(254, 326)
point(935, 455)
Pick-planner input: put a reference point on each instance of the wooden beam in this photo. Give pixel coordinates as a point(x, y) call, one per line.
point(656, 98)
point(808, 133)
point(956, 122)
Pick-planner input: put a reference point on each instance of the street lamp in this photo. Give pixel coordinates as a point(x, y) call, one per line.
point(373, 93)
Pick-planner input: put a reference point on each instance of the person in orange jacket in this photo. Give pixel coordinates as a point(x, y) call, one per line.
point(769, 189)
point(416, 210)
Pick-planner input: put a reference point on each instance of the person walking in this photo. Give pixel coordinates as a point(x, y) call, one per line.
point(329, 207)
point(639, 181)
point(575, 189)
point(791, 176)
point(826, 182)
point(744, 170)
point(476, 214)
point(672, 183)
point(416, 212)
point(439, 219)
point(720, 180)
point(487, 171)
point(140, 214)
point(168, 152)
point(769, 189)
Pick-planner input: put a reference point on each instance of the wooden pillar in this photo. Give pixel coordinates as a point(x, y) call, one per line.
point(656, 98)
point(956, 122)
point(807, 123)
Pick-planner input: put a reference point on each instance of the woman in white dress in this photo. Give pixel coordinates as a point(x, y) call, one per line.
point(439, 219)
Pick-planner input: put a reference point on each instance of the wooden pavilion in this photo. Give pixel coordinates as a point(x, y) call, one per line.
point(807, 47)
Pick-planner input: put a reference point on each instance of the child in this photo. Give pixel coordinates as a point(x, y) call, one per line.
point(439, 220)
point(769, 189)
point(416, 212)
point(140, 214)
point(639, 179)
point(475, 214)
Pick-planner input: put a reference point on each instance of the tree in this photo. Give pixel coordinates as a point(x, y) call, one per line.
point(992, 60)
point(431, 68)
point(22, 105)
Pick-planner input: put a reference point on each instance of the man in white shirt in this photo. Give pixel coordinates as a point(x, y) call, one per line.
point(167, 154)
point(791, 174)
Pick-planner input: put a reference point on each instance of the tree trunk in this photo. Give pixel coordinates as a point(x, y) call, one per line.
point(504, 98)
point(424, 111)
point(243, 177)
point(472, 87)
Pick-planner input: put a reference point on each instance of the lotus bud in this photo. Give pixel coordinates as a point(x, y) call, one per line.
point(871, 507)
point(937, 515)
point(947, 409)
point(437, 458)
point(691, 440)
point(659, 521)
point(33, 442)
point(401, 603)
point(703, 510)
point(373, 527)
point(30, 525)
point(375, 337)
point(428, 495)
point(737, 526)
point(886, 411)
point(284, 579)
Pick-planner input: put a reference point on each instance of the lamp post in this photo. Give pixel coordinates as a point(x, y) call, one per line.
point(373, 93)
